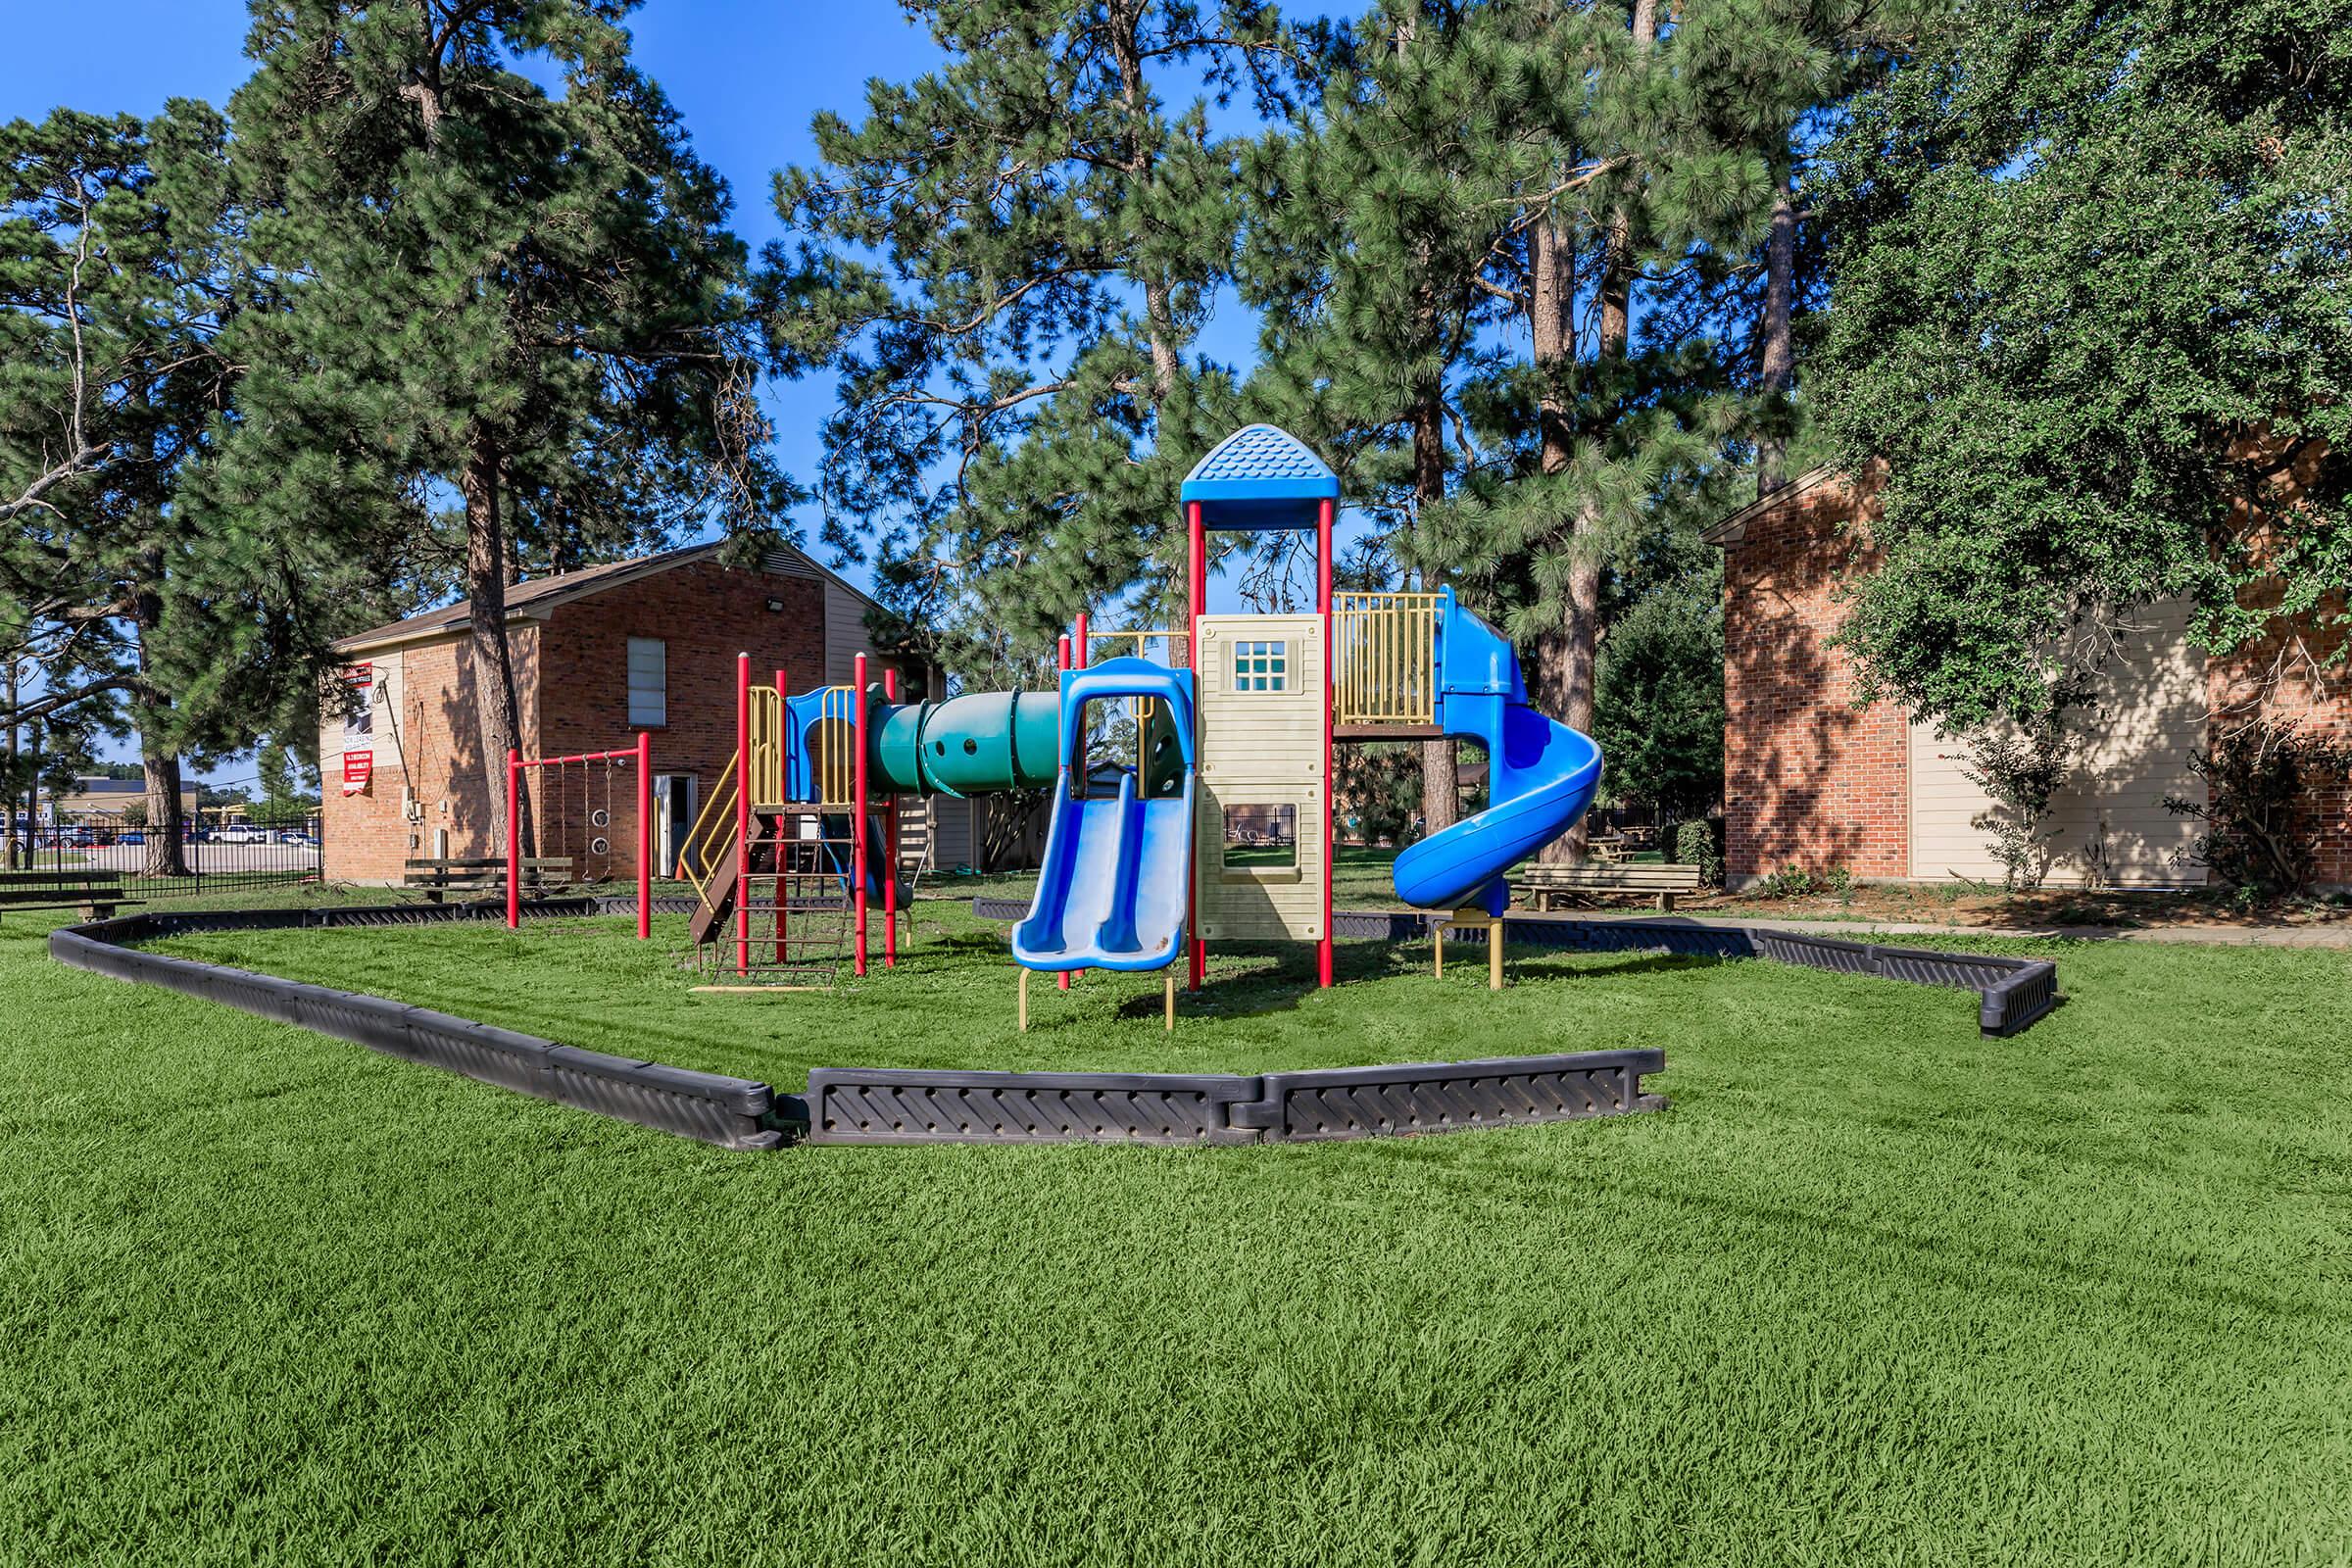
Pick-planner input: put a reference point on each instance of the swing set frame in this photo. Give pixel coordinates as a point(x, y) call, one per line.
point(642, 754)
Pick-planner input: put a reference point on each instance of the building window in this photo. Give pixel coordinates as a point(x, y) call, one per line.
point(649, 683)
point(1261, 666)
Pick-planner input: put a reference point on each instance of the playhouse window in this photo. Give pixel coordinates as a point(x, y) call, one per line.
point(1261, 838)
point(1261, 666)
point(649, 683)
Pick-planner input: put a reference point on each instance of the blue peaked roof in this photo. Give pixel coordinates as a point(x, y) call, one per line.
point(1261, 477)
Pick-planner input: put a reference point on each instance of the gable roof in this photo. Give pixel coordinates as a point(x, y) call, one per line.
point(539, 597)
point(1733, 529)
point(1261, 477)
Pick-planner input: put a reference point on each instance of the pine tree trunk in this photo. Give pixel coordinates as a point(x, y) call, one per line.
point(8, 797)
point(1565, 658)
point(1551, 323)
point(497, 712)
point(159, 759)
point(1440, 779)
point(1775, 350)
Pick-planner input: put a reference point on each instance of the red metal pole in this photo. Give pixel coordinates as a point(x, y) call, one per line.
point(645, 836)
point(784, 776)
point(859, 825)
point(890, 839)
point(1331, 804)
point(1197, 596)
point(513, 839)
point(743, 814)
point(1061, 981)
point(1078, 649)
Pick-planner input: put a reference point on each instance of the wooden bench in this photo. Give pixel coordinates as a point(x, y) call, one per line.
point(1544, 885)
point(96, 894)
point(486, 874)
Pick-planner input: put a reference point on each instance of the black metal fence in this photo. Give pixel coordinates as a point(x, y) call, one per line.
point(215, 855)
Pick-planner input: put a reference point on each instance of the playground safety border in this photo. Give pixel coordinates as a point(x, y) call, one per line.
point(864, 1106)
point(2012, 993)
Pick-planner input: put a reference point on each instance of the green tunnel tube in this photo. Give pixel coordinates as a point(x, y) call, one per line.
point(984, 742)
point(969, 745)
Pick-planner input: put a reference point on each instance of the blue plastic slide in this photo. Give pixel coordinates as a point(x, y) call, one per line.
point(1541, 776)
point(1112, 890)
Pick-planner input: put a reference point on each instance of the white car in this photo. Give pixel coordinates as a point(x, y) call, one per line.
point(241, 835)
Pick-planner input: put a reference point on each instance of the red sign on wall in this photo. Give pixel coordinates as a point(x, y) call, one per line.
point(358, 768)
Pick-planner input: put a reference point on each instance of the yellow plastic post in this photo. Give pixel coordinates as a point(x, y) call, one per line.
point(1495, 953)
point(1024, 1002)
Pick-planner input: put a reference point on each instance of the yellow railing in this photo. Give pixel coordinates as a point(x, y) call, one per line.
point(767, 747)
point(833, 747)
point(710, 842)
point(1385, 647)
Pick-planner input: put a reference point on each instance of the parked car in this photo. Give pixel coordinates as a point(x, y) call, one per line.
point(131, 838)
point(241, 833)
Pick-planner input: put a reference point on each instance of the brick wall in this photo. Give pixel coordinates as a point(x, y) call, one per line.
point(1809, 777)
point(427, 741)
point(2286, 676)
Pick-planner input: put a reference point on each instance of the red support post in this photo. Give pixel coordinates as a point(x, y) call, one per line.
point(890, 842)
point(743, 814)
point(513, 839)
point(1197, 606)
point(645, 836)
point(860, 828)
point(1061, 981)
point(1331, 801)
point(1079, 657)
point(780, 850)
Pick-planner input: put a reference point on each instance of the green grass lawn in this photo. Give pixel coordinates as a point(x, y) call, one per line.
point(1875, 1291)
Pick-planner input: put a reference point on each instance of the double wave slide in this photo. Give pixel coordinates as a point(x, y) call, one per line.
point(1117, 871)
point(1542, 775)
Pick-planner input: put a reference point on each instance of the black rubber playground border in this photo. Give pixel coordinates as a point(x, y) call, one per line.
point(2011, 993)
point(866, 1105)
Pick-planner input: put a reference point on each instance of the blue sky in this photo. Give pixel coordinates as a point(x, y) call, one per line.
point(746, 75)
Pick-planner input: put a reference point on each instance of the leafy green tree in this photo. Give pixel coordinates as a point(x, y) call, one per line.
point(2093, 285)
point(514, 324)
point(1659, 715)
point(1006, 264)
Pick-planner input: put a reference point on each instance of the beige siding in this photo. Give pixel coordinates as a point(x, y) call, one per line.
point(2149, 715)
point(1260, 749)
point(845, 633)
point(952, 841)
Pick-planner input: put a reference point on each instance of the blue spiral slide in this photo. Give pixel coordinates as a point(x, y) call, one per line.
point(1540, 774)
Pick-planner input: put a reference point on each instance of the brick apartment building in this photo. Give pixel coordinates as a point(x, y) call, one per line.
point(1814, 779)
point(599, 653)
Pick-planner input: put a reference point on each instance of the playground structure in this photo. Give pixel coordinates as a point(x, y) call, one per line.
point(1217, 823)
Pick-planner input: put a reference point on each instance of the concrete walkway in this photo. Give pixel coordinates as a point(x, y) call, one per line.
point(2335, 935)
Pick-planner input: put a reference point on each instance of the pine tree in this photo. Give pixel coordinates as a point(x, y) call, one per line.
point(525, 300)
point(1006, 266)
point(1377, 223)
point(117, 273)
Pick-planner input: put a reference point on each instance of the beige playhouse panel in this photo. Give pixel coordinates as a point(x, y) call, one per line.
point(2134, 751)
point(1260, 698)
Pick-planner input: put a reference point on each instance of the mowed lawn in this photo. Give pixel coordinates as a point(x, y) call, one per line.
point(1873, 1291)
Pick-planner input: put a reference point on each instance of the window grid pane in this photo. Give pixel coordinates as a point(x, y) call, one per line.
point(1260, 666)
point(649, 682)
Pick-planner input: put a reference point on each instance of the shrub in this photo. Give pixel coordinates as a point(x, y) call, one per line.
point(2261, 813)
point(2021, 770)
point(1700, 843)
